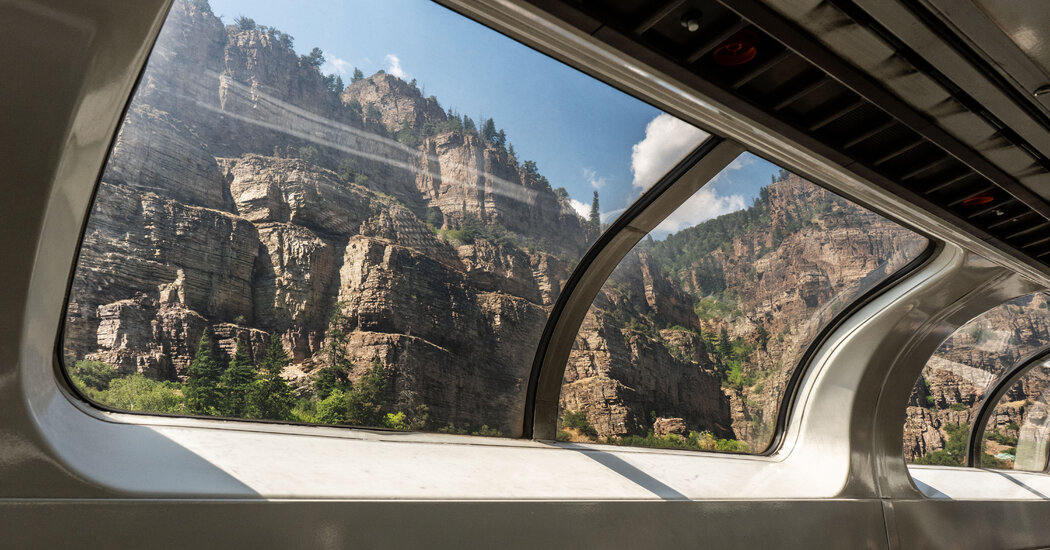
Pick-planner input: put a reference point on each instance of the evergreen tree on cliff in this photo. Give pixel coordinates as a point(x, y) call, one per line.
point(365, 402)
point(595, 218)
point(236, 384)
point(272, 397)
point(202, 386)
point(335, 374)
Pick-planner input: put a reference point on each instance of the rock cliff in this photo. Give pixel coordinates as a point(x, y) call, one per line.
point(707, 326)
point(247, 198)
point(244, 197)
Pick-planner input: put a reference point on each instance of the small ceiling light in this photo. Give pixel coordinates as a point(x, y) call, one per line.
point(691, 21)
point(737, 50)
point(978, 200)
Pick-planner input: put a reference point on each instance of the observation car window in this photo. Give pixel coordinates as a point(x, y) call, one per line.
point(693, 340)
point(1017, 433)
point(966, 368)
point(372, 233)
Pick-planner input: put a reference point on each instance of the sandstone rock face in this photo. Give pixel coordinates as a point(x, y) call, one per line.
point(459, 175)
point(400, 103)
point(151, 149)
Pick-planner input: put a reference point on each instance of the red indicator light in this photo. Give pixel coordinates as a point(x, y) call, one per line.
point(978, 200)
point(737, 50)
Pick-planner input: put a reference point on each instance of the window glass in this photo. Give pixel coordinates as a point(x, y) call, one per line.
point(967, 367)
point(365, 224)
point(692, 341)
point(1017, 434)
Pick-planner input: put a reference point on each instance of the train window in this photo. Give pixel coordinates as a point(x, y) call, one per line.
point(965, 370)
point(281, 235)
point(693, 340)
point(1018, 432)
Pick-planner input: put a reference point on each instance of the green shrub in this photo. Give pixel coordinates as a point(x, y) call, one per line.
point(138, 393)
point(92, 374)
point(578, 421)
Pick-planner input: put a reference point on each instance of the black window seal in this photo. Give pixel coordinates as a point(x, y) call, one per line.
point(1005, 381)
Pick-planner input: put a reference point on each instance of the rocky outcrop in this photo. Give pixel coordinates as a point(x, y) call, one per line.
point(245, 198)
point(400, 104)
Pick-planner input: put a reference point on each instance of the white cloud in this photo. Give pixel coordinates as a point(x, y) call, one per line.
point(393, 66)
point(594, 179)
point(336, 65)
point(608, 217)
point(584, 210)
point(704, 205)
point(667, 140)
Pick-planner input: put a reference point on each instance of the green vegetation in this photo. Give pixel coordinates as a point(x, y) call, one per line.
point(93, 374)
point(472, 229)
point(313, 59)
point(1002, 439)
point(203, 396)
point(953, 453)
point(711, 308)
point(309, 154)
point(272, 397)
point(577, 421)
point(696, 441)
point(239, 390)
point(334, 83)
point(244, 23)
point(957, 407)
point(595, 219)
point(407, 136)
point(484, 430)
point(138, 393)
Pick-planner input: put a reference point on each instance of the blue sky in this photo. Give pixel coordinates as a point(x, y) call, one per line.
point(583, 134)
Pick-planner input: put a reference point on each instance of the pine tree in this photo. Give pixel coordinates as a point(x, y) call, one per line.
point(595, 218)
point(202, 386)
point(488, 131)
point(725, 346)
point(236, 384)
point(468, 125)
point(313, 59)
point(335, 374)
point(365, 401)
point(358, 75)
point(271, 396)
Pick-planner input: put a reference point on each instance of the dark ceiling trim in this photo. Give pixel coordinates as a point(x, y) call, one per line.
point(800, 42)
point(901, 48)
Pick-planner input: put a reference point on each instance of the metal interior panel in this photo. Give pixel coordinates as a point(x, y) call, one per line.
point(71, 474)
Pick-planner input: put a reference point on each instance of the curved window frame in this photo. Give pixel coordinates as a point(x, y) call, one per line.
point(1002, 385)
point(597, 264)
